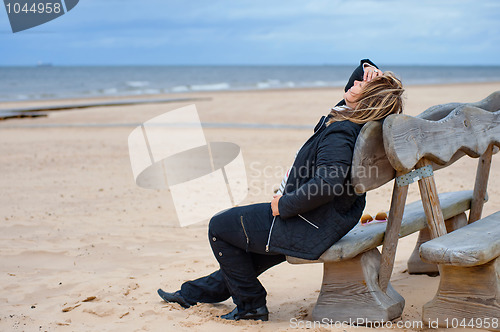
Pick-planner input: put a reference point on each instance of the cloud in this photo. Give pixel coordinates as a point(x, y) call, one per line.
point(258, 31)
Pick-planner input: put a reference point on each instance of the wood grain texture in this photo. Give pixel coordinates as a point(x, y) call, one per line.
point(430, 202)
point(474, 244)
point(370, 166)
point(438, 112)
point(364, 238)
point(466, 293)
point(468, 129)
point(481, 185)
point(391, 236)
point(415, 264)
point(350, 291)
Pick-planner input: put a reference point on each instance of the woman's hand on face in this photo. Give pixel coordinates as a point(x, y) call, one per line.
point(274, 205)
point(371, 73)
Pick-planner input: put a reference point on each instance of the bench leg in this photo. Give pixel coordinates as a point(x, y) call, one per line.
point(466, 293)
point(418, 266)
point(350, 292)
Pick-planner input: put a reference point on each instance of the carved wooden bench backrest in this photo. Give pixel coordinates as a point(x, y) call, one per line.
point(467, 128)
point(371, 167)
point(438, 137)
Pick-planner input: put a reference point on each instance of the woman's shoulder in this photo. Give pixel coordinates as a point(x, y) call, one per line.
point(341, 132)
point(346, 126)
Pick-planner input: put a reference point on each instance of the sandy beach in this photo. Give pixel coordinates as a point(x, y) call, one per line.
point(83, 248)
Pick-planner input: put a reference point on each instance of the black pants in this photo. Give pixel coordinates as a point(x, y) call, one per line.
point(238, 238)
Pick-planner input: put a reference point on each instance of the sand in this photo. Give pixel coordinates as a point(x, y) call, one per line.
point(82, 248)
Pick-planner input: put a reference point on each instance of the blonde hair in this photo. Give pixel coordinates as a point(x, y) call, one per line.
point(379, 97)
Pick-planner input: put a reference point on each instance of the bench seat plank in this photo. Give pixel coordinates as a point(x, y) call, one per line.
point(364, 238)
point(474, 244)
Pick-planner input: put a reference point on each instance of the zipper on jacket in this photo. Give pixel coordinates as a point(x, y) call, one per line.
point(244, 231)
point(310, 223)
point(321, 125)
point(269, 237)
point(272, 224)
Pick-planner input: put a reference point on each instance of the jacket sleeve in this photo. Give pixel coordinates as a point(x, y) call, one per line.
point(334, 158)
point(357, 75)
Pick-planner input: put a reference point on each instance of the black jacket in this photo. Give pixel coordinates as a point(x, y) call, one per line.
point(319, 205)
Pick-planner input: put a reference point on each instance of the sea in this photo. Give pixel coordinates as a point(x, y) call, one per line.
point(60, 82)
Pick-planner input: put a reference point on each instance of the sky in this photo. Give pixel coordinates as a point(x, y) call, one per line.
point(261, 32)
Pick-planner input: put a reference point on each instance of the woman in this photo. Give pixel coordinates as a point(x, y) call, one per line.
point(315, 206)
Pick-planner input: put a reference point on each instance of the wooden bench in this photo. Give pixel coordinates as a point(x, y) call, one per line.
point(469, 287)
point(355, 274)
point(350, 287)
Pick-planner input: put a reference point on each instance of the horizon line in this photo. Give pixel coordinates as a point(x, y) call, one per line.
point(49, 64)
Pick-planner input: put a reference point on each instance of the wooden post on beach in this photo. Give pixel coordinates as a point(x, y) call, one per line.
point(481, 185)
point(430, 202)
point(392, 233)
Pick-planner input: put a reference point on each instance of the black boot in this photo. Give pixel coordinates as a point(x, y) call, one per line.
point(253, 314)
point(175, 298)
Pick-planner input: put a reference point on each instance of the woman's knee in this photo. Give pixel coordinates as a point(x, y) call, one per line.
point(213, 225)
point(218, 222)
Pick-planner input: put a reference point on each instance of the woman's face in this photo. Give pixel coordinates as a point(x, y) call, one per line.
point(352, 94)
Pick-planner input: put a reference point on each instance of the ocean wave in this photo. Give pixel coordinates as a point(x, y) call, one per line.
point(180, 88)
point(19, 83)
point(146, 92)
point(269, 84)
point(210, 87)
point(109, 91)
point(137, 84)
